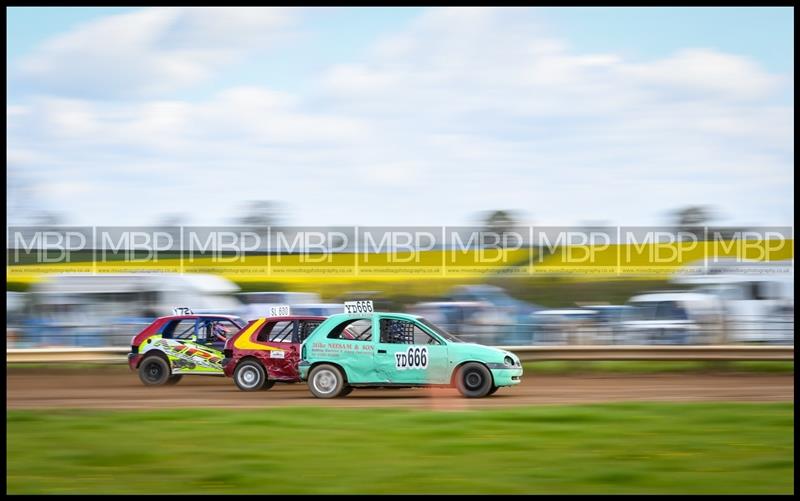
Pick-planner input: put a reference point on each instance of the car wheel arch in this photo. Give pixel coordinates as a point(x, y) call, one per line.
point(154, 353)
point(248, 358)
point(254, 359)
point(465, 362)
point(338, 366)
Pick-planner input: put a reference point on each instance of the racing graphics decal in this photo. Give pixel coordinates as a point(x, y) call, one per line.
point(246, 340)
point(183, 356)
point(415, 357)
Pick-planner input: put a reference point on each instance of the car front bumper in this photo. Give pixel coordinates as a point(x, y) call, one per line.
point(133, 360)
point(228, 366)
point(302, 369)
point(507, 377)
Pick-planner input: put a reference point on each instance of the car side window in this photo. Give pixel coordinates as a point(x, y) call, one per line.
point(359, 329)
point(306, 327)
point(394, 331)
point(179, 329)
point(216, 330)
point(277, 332)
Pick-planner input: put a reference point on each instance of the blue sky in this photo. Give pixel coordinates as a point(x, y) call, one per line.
point(661, 107)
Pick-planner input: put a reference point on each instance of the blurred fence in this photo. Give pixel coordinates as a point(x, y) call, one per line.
point(38, 334)
point(777, 331)
point(732, 330)
point(525, 353)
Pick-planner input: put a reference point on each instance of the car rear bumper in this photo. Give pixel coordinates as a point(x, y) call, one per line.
point(507, 377)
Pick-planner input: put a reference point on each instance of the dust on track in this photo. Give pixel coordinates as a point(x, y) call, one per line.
point(115, 388)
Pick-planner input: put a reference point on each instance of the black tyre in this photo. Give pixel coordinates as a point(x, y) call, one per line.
point(173, 380)
point(348, 390)
point(154, 371)
point(326, 381)
point(474, 380)
point(250, 376)
point(493, 390)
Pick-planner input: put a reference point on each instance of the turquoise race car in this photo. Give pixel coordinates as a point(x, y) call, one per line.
point(370, 349)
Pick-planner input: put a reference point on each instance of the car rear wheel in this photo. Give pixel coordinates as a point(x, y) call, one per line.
point(250, 376)
point(154, 371)
point(474, 380)
point(493, 390)
point(326, 381)
point(173, 380)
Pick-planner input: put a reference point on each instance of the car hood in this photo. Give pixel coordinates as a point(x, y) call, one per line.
point(481, 352)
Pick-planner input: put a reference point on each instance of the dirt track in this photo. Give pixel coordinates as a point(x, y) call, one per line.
point(118, 389)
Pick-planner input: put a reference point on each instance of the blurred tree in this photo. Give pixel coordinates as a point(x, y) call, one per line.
point(172, 219)
point(692, 219)
point(262, 213)
point(47, 218)
point(693, 215)
point(500, 221)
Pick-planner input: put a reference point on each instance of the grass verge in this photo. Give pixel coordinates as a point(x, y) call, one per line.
point(608, 448)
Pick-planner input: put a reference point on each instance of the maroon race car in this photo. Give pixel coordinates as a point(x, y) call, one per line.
point(267, 350)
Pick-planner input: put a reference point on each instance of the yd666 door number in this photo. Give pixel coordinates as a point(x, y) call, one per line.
point(413, 358)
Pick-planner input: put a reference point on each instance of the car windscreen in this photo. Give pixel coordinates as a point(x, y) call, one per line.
point(441, 332)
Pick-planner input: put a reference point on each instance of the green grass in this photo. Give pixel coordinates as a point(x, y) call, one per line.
point(610, 448)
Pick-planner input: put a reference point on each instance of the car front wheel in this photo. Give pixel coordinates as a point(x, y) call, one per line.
point(474, 380)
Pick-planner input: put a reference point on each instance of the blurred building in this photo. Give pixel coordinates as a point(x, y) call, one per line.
point(107, 309)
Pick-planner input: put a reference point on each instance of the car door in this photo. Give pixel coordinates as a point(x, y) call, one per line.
point(407, 353)
point(190, 350)
point(351, 345)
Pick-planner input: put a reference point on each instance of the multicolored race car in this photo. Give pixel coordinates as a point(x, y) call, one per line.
point(366, 349)
point(267, 350)
point(181, 344)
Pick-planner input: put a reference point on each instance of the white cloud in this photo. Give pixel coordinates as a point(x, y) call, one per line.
point(149, 51)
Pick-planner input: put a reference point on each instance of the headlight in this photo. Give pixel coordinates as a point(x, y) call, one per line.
point(508, 361)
